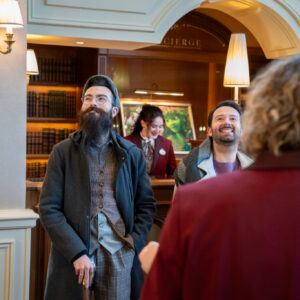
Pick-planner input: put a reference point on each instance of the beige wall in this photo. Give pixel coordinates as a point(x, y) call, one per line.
point(118, 24)
point(13, 119)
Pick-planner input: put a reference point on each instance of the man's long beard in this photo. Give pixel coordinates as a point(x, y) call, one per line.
point(95, 125)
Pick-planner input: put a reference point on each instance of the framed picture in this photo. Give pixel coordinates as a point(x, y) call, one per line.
point(179, 120)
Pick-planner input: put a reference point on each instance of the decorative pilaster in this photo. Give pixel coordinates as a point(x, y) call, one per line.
point(15, 240)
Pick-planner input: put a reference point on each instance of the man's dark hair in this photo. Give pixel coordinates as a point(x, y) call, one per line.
point(223, 103)
point(147, 114)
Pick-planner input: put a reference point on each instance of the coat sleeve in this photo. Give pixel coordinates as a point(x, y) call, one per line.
point(63, 236)
point(171, 161)
point(164, 280)
point(179, 174)
point(144, 204)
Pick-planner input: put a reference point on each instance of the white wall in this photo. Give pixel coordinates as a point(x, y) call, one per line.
point(13, 119)
point(15, 221)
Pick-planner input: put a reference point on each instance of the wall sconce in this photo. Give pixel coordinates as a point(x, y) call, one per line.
point(31, 64)
point(237, 67)
point(10, 17)
point(158, 93)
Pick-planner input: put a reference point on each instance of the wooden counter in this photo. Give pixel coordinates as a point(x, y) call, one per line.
point(163, 193)
point(162, 182)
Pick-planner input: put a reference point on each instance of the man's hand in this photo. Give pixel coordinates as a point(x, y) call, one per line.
point(84, 268)
point(147, 255)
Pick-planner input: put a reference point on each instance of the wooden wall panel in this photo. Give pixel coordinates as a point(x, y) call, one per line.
point(190, 59)
point(167, 75)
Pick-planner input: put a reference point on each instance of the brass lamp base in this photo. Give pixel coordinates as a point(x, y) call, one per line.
point(9, 41)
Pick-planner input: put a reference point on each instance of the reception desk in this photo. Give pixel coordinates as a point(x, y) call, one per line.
point(163, 192)
point(40, 242)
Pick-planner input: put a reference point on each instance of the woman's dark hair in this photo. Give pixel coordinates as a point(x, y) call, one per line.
point(147, 114)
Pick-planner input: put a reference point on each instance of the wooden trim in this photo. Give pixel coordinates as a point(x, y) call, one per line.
point(162, 182)
point(37, 156)
point(211, 99)
point(51, 120)
point(191, 56)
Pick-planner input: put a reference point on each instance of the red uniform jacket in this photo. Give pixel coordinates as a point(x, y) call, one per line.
point(164, 162)
point(233, 237)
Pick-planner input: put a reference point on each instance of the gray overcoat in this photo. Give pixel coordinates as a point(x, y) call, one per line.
point(198, 164)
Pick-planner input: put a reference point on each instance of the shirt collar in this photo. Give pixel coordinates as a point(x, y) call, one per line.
point(147, 140)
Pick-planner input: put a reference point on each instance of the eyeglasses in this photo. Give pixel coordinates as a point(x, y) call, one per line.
point(100, 99)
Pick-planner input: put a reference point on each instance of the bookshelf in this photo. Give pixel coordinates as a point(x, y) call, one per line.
point(53, 101)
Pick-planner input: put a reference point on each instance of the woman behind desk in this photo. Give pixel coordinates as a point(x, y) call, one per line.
point(158, 150)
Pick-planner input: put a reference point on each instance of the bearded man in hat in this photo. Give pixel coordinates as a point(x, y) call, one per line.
point(96, 204)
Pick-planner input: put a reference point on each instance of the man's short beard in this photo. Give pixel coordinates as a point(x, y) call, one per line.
point(224, 141)
point(96, 125)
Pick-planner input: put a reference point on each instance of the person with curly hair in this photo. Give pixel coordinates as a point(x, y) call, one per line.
point(236, 236)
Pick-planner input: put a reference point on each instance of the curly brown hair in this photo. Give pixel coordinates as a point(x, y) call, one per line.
point(271, 120)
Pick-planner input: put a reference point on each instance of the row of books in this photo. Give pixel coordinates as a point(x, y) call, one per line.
point(36, 170)
point(54, 104)
point(42, 142)
point(56, 70)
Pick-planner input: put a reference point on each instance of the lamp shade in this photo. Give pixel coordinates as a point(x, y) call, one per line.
point(237, 67)
point(31, 63)
point(10, 14)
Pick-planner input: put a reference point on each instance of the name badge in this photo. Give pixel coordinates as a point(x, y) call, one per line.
point(162, 151)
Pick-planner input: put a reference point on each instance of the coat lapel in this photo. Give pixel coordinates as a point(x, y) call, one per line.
point(137, 140)
point(207, 166)
point(158, 146)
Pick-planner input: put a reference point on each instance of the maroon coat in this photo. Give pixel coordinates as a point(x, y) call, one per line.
point(164, 162)
point(235, 236)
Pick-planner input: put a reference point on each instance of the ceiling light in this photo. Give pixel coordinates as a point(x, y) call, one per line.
point(159, 93)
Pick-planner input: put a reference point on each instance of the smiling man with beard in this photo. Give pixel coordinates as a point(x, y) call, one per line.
point(219, 152)
point(96, 204)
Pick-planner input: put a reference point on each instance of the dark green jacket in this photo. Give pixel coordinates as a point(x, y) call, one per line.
point(65, 209)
